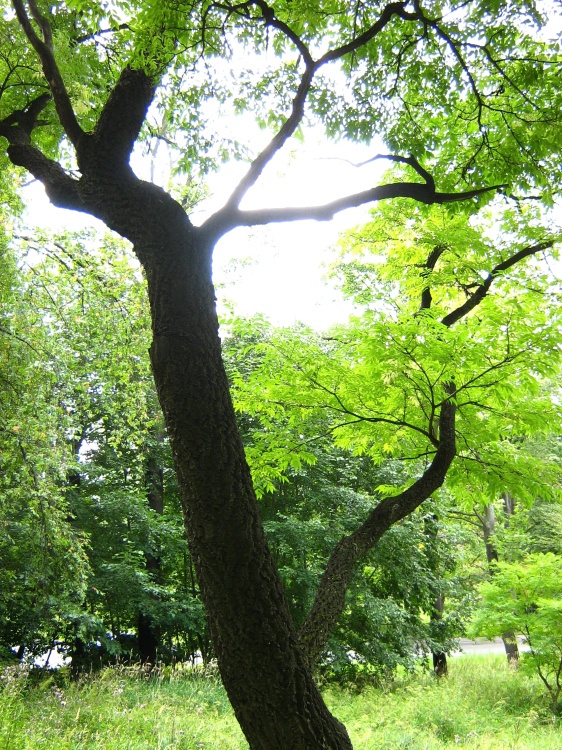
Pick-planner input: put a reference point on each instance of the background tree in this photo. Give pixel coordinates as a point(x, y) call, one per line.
point(44, 566)
point(101, 411)
point(525, 597)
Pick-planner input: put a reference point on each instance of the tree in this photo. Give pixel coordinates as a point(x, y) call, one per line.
point(525, 597)
point(457, 89)
point(488, 520)
point(44, 565)
point(106, 422)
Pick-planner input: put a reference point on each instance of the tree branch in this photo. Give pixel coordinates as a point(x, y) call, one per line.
point(462, 62)
point(228, 218)
point(100, 32)
point(20, 124)
point(483, 289)
point(311, 67)
point(276, 143)
point(123, 114)
point(44, 48)
point(412, 162)
point(330, 598)
point(392, 9)
point(17, 128)
point(268, 15)
point(430, 264)
point(61, 189)
point(122, 117)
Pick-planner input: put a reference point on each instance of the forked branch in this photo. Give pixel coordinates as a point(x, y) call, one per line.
point(330, 598)
point(483, 289)
point(44, 48)
point(311, 67)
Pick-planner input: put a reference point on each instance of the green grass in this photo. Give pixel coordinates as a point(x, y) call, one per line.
point(482, 705)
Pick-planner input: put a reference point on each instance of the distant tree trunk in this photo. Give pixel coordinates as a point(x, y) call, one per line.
point(431, 529)
point(509, 506)
point(78, 655)
point(148, 631)
point(488, 527)
point(440, 667)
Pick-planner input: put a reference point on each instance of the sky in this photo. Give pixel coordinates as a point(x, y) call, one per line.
point(284, 276)
point(278, 270)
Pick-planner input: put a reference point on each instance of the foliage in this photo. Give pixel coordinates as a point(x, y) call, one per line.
point(377, 383)
point(374, 388)
point(526, 597)
point(44, 567)
point(79, 575)
point(389, 621)
point(533, 529)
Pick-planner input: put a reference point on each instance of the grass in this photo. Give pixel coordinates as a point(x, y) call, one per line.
point(482, 705)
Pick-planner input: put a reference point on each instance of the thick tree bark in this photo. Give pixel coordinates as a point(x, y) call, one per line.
point(265, 674)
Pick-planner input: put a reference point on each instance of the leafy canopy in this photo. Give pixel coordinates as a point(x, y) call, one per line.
point(470, 90)
point(443, 299)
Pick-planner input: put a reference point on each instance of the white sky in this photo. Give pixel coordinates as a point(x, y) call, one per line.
point(276, 270)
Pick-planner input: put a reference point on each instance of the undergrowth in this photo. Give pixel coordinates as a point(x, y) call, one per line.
point(482, 705)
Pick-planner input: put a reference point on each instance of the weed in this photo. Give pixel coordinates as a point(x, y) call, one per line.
point(482, 705)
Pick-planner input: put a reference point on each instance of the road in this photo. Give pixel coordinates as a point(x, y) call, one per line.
point(482, 646)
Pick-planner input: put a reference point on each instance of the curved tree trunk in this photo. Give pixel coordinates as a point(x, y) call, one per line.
point(265, 673)
point(266, 677)
point(265, 668)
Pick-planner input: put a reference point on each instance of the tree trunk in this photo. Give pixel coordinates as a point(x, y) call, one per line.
point(148, 632)
point(267, 679)
point(440, 667)
point(265, 669)
point(488, 526)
